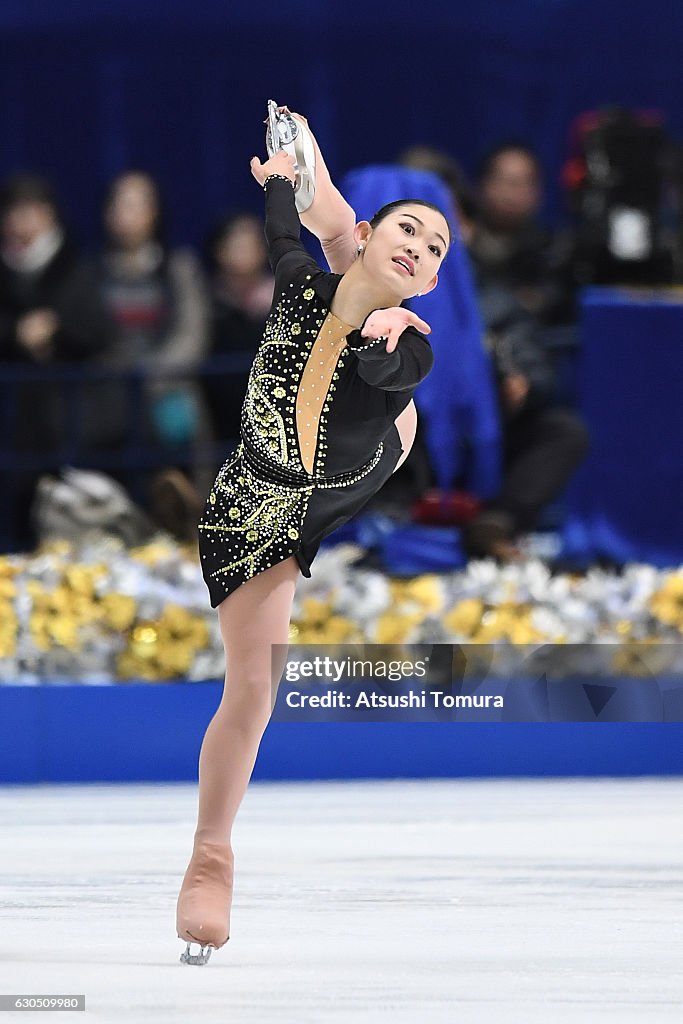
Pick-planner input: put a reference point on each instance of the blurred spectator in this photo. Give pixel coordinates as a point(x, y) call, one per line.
point(49, 308)
point(510, 245)
point(447, 168)
point(241, 297)
point(428, 158)
point(157, 298)
point(50, 313)
point(542, 442)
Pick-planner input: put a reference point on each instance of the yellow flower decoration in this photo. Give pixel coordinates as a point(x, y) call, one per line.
point(7, 569)
point(425, 591)
point(465, 617)
point(165, 648)
point(666, 604)
point(509, 621)
point(118, 611)
point(643, 658)
point(9, 627)
point(392, 628)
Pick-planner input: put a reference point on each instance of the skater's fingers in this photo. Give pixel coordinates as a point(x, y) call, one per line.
point(414, 320)
point(257, 169)
point(288, 158)
point(394, 335)
point(281, 163)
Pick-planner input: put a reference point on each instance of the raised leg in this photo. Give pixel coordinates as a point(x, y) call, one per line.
point(329, 217)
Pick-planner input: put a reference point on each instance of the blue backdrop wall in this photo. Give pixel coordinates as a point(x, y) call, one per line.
point(180, 87)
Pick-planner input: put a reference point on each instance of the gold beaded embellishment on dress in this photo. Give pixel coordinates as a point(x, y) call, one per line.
point(258, 512)
point(255, 513)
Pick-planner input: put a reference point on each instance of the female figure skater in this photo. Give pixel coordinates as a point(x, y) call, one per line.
point(337, 365)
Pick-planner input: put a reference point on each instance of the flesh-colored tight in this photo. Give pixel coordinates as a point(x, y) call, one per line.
point(252, 618)
point(257, 614)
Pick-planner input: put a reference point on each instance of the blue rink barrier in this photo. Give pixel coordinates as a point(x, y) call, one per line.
point(146, 732)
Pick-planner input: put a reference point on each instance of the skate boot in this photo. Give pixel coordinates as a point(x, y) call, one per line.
point(203, 909)
point(288, 133)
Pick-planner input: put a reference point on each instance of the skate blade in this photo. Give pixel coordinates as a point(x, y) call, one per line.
point(286, 133)
point(197, 959)
point(304, 154)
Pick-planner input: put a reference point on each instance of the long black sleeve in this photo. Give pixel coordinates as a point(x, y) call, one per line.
point(400, 370)
point(286, 251)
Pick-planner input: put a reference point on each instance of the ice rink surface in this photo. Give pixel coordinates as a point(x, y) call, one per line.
point(464, 901)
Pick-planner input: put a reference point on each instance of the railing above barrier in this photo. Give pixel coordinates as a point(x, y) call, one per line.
point(125, 422)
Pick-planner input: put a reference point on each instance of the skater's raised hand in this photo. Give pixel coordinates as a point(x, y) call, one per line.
point(391, 323)
point(280, 163)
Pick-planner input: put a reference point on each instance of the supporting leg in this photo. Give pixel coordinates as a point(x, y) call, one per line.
point(252, 619)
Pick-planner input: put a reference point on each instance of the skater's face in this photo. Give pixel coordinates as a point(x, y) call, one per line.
point(405, 249)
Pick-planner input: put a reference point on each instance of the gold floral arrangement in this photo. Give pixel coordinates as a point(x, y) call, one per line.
point(101, 613)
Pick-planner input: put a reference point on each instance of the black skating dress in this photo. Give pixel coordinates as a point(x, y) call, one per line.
point(318, 437)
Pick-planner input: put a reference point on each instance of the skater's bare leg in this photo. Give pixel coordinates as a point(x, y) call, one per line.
point(252, 618)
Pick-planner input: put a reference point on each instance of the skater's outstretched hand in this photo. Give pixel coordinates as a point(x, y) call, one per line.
point(391, 323)
point(280, 163)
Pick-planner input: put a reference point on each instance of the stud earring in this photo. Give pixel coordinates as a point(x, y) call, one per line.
point(359, 249)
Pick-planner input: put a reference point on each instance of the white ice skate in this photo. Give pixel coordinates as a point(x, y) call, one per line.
point(285, 132)
point(203, 909)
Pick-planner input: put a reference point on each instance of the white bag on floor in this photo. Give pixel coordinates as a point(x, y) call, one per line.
point(82, 503)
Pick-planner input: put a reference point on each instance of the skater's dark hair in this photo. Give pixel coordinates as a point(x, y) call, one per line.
point(398, 203)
